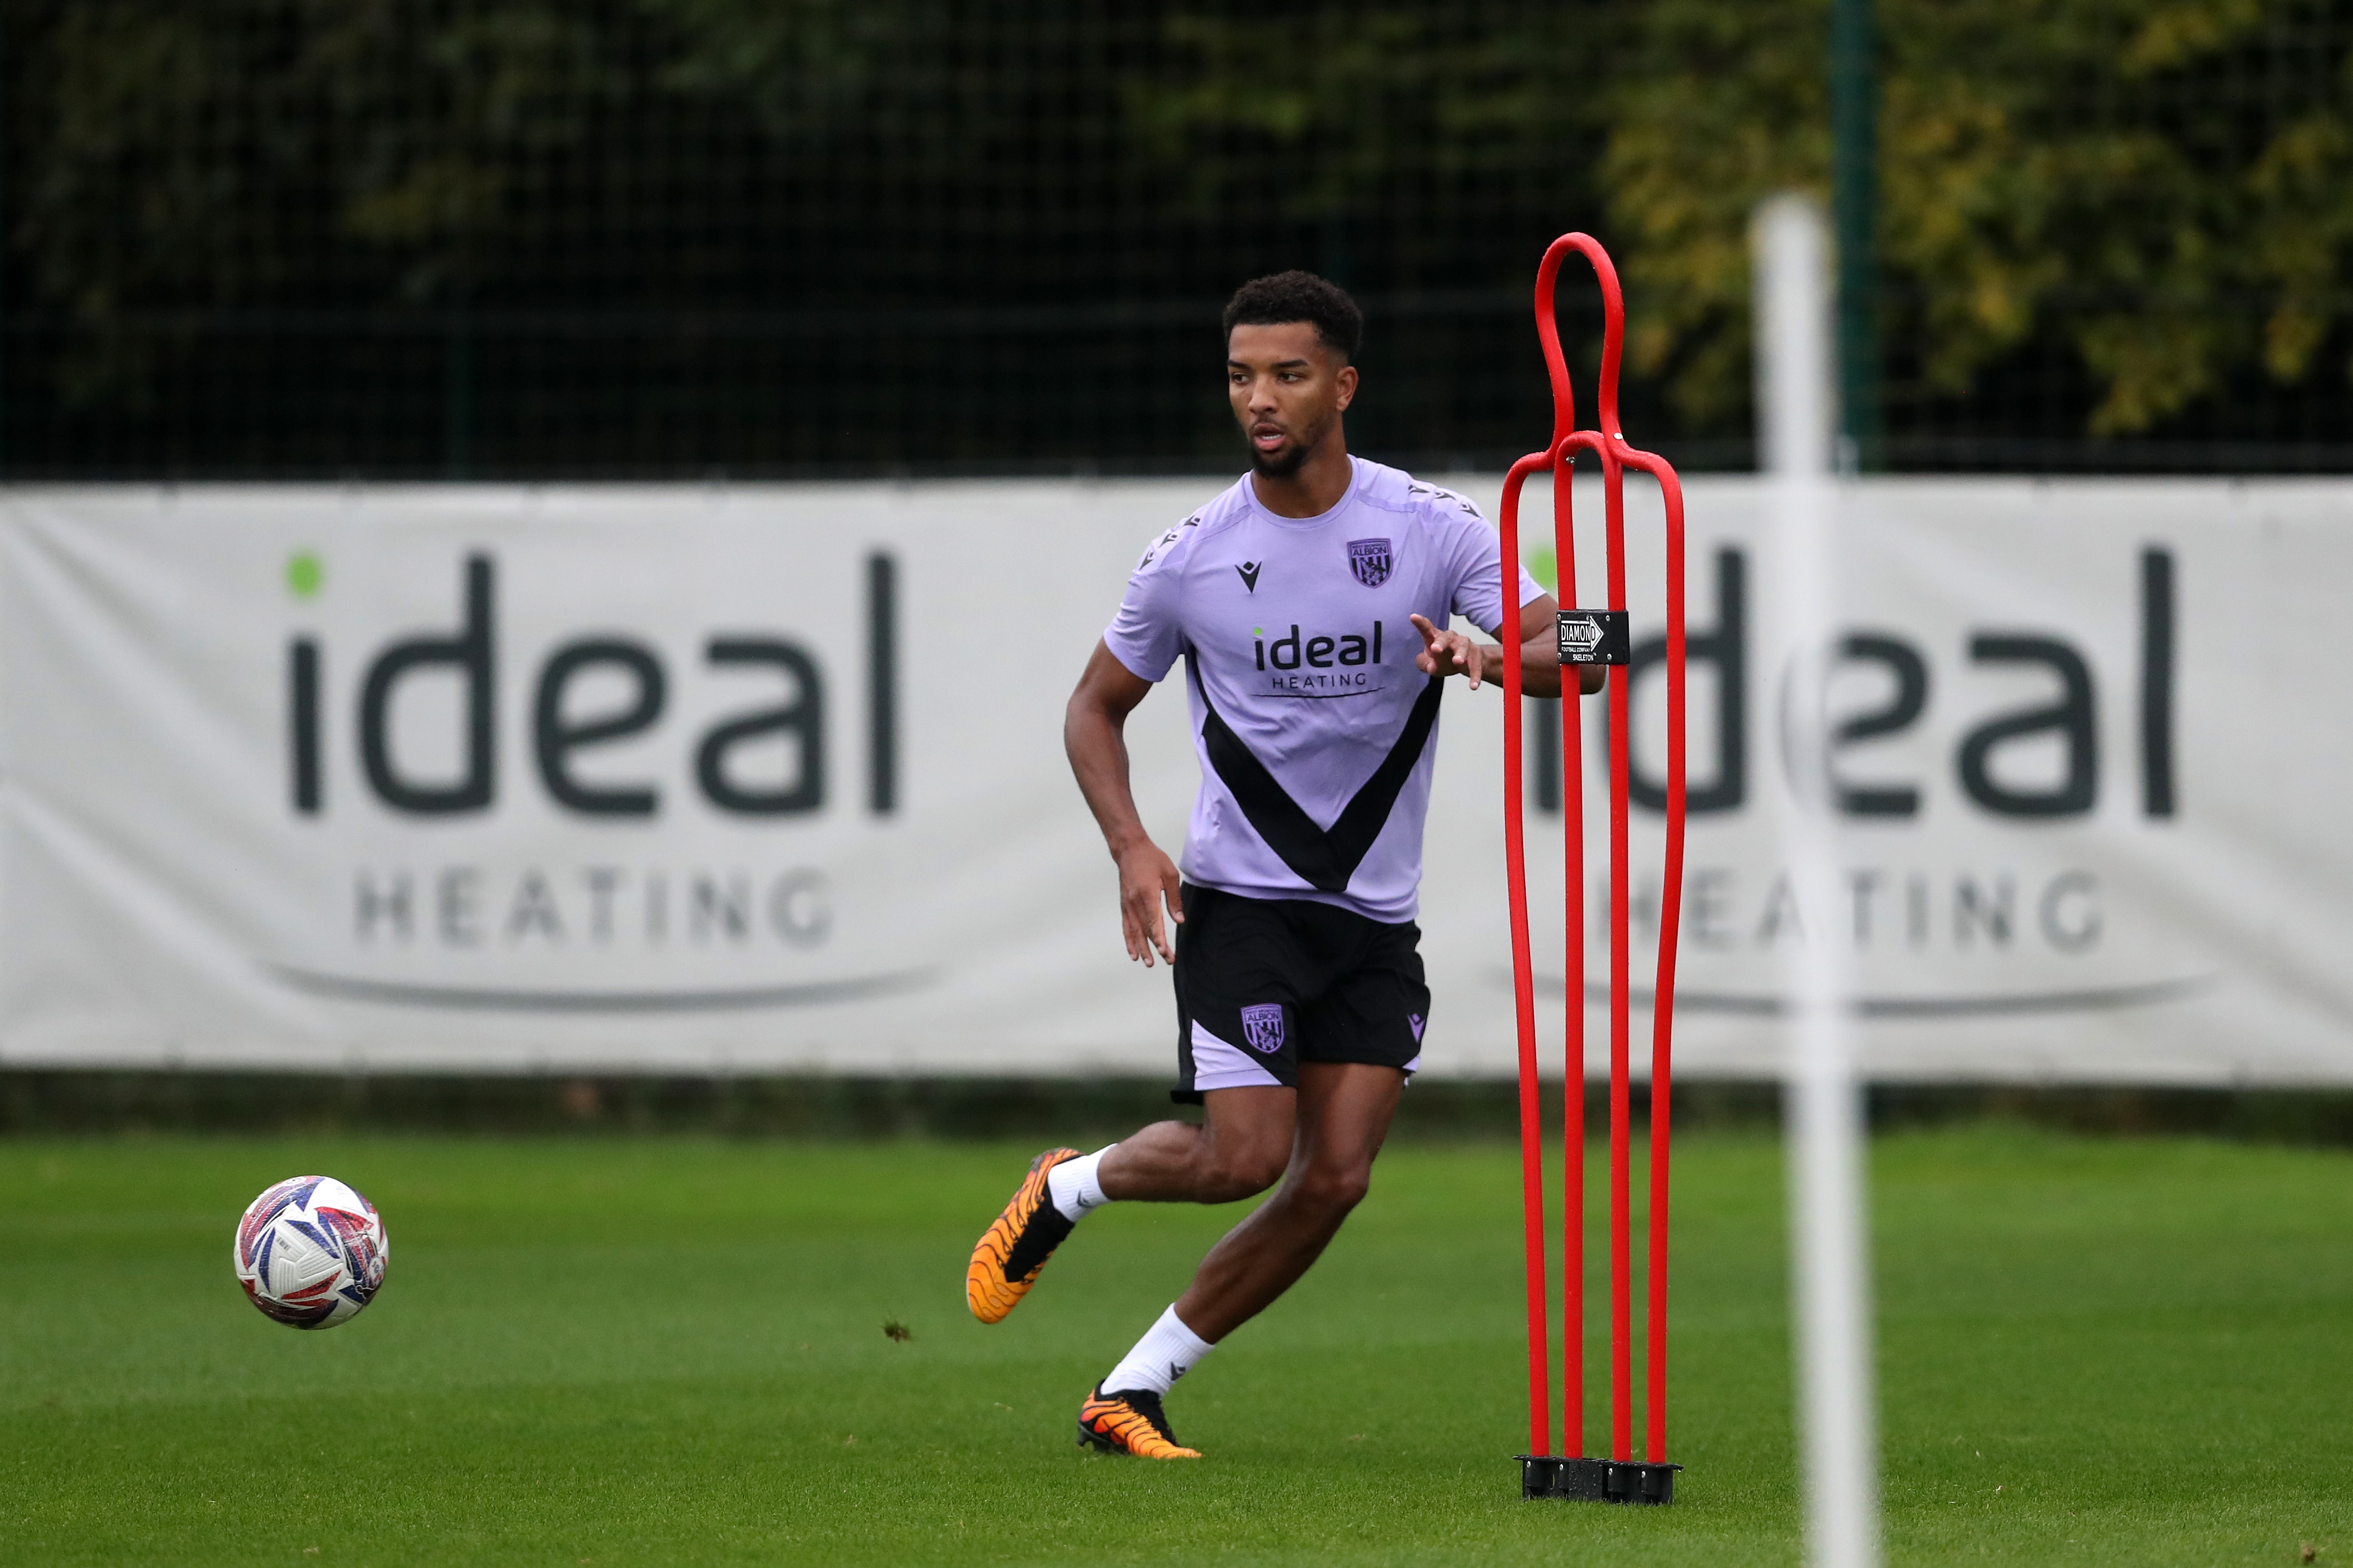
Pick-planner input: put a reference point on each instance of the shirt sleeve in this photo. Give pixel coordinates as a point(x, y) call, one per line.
point(1477, 554)
point(1148, 632)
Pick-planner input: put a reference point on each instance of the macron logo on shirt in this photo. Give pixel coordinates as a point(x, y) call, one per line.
point(1248, 569)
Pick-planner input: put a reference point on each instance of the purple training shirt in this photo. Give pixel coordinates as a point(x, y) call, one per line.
point(1312, 726)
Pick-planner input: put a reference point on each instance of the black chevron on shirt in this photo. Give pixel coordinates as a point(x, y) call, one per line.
point(1324, 859)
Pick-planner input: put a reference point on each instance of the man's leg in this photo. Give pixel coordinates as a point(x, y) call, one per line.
point(1344, 1113)
point(1338, 1116)
point(1239, 1150)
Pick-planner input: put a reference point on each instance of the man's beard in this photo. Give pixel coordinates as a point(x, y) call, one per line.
point(1285, 461)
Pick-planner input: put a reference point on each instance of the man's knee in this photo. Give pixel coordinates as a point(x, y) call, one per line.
point(1331, 1189)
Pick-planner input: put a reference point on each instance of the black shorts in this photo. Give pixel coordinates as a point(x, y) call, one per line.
point(1263, 984)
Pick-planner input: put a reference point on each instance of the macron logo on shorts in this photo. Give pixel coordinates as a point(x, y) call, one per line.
point(1414, 1019)
point(1262, 1028)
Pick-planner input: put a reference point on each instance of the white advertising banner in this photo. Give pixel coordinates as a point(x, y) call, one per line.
point(758, 778)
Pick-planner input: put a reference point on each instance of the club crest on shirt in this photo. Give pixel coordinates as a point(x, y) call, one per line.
point(1262, 1028)
point(1370, 560)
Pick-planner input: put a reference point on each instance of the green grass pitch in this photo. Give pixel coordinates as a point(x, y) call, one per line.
point(618, 1353)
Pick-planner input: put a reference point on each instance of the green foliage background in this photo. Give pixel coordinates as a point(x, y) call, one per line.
point(2142, 180)
point(2155, 197)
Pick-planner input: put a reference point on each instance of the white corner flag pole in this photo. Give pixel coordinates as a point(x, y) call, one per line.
point(1829, 1271)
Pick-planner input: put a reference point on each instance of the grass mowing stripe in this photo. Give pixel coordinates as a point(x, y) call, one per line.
point(670, 1352)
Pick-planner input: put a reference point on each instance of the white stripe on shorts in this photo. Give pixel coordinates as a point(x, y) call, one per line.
point(1217, 1064)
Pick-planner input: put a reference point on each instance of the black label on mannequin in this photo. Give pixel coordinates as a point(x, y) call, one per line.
point(1593, 637)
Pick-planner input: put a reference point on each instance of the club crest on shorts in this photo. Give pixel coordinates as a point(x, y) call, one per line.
point(1370, 558)
point(1262, 1028)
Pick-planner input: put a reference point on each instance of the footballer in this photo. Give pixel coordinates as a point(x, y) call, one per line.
point(1310, 602)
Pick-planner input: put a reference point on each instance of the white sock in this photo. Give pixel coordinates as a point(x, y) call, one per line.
point(1072, 1185)
point(1167, 1351)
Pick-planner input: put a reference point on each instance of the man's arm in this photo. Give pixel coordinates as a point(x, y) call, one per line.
point(1452, 653)
point(1094, 734)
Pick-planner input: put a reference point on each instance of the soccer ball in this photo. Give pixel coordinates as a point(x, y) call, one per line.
point(310, 1252)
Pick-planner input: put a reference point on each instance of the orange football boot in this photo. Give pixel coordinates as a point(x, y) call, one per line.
point(1006, 1260)
point(1129, 1422)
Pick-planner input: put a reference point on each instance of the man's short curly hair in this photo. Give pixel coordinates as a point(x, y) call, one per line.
point(1283, 296)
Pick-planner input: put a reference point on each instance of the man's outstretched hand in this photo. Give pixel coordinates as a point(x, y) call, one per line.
point(1449, 653)
point(1147, 880)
